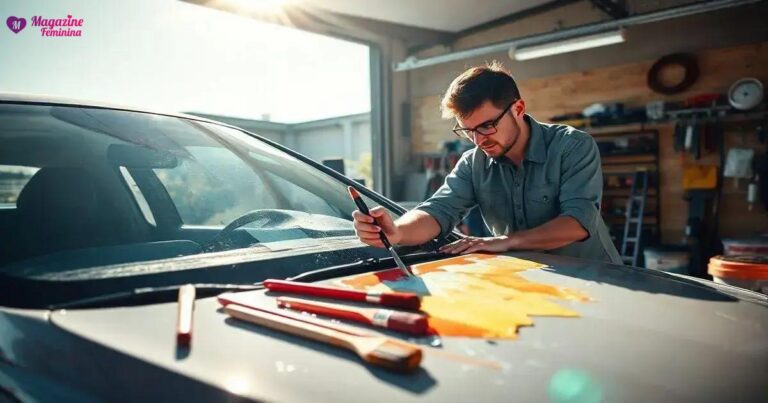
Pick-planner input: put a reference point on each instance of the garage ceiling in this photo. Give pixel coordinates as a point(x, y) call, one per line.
point(442, 15)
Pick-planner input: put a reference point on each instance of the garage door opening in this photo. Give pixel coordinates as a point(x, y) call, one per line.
point(309, 92)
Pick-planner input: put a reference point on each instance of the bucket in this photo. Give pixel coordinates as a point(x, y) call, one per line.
point(745, 271)
point(673, 259)
point(750, 246)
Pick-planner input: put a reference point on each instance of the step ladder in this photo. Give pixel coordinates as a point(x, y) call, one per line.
point(633, 226)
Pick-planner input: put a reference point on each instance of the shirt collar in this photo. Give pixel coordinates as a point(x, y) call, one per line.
point(536, 150)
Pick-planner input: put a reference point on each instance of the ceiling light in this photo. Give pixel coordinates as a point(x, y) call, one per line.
point(568, 45)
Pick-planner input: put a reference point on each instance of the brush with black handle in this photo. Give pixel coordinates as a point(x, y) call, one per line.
point(364, 209)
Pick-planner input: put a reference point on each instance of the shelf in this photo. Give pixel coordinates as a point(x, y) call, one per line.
point(613, 192)
point(620, 219)
point(628, 159)
point(631, 128)
point(620, 172)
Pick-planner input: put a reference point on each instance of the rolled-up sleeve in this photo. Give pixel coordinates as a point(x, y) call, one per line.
point(581, 181)
point(452, 200)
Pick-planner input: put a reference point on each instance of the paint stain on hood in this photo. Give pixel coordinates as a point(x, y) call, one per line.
point(476, 295)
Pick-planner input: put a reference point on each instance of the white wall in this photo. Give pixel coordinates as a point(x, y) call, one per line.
point(346, 137)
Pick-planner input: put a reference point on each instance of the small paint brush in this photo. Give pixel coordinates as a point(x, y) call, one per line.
point(245, 300)
point(407, 322)
point(364, 209)
point(186, 307)
point(377, 350)
point(403, 300)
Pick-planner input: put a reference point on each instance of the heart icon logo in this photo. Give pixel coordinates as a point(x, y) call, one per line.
point(15, 24)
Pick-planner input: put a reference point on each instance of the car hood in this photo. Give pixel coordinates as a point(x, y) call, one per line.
point(648, 335)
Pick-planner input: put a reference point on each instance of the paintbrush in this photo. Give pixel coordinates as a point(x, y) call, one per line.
point(184, 315)
point(364, 209)
point(392, 299)
point(408, 322)
point(377, 350)
point(243, 299)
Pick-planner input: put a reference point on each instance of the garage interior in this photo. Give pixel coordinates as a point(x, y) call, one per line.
point(675, 102)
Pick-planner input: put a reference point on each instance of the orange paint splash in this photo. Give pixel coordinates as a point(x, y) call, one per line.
point(476, 295)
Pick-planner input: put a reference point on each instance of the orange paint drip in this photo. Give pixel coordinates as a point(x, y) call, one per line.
point(476, 295)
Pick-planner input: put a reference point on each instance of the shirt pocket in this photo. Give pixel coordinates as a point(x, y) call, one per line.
point(495, 211)
point(541, 205)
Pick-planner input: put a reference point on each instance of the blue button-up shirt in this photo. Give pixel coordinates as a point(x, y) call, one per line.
point(560, 176)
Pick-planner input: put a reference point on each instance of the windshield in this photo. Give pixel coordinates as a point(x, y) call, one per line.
point(87, 187)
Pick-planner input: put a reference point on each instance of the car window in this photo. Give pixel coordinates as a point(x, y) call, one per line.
point(302, 199)
point(96, 187)
point(12, 179)
point(214, 186)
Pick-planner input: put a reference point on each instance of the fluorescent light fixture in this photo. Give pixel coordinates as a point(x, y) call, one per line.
point(568, 45)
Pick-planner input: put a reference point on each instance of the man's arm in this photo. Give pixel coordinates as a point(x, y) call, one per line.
point(436, 216)
point(553, 234)
point(581, 184)
point(412, 228)
point(417, 227)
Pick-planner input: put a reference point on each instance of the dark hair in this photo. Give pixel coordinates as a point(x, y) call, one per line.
point(479, 84)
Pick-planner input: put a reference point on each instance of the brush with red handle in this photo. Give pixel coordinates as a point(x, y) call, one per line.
point(407, 322)
point(391, 299)
point(185, 311)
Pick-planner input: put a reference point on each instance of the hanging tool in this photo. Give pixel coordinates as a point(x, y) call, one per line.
point(752, 192)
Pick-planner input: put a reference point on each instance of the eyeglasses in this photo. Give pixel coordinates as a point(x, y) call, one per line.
point(485, 128)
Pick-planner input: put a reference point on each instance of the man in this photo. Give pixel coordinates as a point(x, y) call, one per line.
point(538, 185)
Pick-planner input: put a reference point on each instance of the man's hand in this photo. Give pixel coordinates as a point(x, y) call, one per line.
point(368, 231)
point(474, 244)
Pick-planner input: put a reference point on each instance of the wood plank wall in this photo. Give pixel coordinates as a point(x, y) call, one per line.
point(550, 96)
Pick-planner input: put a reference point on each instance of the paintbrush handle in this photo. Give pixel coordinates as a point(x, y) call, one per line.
point(184, 317)
point(239, 299)
point(407, 322)
point(283, 324)
point(393, 299)
point(364, 209)
point(356, 314)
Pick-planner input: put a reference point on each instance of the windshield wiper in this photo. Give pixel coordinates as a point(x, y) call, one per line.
point(144, 295)
point(363, 266)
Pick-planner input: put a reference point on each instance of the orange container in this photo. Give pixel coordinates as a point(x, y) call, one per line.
point(746, 271)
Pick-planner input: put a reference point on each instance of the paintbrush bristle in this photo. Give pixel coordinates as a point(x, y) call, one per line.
point(353, 192)
point(394, 355)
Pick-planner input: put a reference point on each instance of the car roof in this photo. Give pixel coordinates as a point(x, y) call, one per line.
point(29, 98)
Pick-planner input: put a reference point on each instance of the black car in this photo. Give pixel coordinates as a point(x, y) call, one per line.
point(106, 211)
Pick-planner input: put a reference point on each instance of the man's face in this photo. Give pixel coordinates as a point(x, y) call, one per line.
point(507, 128)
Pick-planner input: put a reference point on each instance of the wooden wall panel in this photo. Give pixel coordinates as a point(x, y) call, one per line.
point(547, 97)
point(551, 96)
